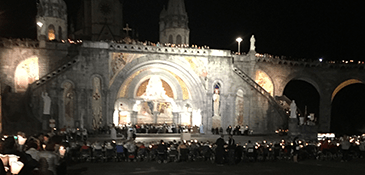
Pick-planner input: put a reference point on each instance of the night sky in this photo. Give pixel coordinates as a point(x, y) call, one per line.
point(309, 29)
point(329, 29)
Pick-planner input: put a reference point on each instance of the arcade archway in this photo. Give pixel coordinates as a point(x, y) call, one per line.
point(347, 110)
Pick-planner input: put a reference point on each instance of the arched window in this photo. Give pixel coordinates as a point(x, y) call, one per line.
point(216, 100)
point(51, 33)
point(178, 39)
point(170, 39)
point(60, 33)
point(26, 73)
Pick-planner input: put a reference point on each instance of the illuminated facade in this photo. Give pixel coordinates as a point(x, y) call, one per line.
point(93, 84)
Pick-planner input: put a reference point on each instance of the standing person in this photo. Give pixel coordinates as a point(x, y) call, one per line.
point(295, 149)
point(130, 134)
point(51, 158)
point(229, 130)
point(113, 132)
point(231, 148)
point(345, 146)
point(219, 151)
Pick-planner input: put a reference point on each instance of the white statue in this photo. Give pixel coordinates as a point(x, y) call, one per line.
point(293, 110)
point(252, 40)
point(216, 100)
point(201, 128)
point(46, 103)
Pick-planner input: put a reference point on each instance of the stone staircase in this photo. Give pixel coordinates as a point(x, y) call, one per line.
point(53, 74)
point(280, 108)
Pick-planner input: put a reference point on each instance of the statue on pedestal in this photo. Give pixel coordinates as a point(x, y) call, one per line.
point(216, 101)
point(293, 110)
point(252, 40)
point(46, 103)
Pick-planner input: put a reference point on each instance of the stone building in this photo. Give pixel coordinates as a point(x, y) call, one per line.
point(99, 81)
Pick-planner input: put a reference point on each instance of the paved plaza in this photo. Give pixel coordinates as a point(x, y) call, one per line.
point(282, 167)
point(306, 167)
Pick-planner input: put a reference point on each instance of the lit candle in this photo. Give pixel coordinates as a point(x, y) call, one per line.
point(16, 167)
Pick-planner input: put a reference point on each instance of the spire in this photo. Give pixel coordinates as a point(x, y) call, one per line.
point(176, 7)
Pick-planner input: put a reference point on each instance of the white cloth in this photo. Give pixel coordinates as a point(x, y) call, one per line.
point(113, 133)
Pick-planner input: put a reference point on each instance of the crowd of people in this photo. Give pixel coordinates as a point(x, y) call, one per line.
point(51, 153)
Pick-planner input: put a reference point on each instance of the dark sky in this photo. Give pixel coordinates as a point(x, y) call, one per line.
point(332, 29)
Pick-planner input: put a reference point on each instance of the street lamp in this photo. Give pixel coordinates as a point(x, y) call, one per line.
point(239, 40)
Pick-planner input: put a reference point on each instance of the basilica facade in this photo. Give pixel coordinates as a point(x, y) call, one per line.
point(102, 77)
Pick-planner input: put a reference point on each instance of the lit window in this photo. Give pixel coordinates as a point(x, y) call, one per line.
point(51, 33)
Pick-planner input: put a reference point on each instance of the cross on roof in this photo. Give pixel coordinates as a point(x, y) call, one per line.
point(127, 29)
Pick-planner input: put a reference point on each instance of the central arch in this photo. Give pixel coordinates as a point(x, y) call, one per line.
point(184, 86)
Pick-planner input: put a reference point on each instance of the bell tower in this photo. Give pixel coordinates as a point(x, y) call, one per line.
point(51, 20)
point(174, 21)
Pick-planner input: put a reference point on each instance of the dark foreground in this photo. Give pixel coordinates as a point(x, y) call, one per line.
point(305, 167)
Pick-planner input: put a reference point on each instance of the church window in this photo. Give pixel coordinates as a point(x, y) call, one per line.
point(178, 39)
point(51, 33)
point(170, 39)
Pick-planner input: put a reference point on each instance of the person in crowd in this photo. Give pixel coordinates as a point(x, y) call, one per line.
point(113, 132)
point(229, 130)
point(32, 150)
point(219, 151)
point(231, 149)
point(295, 149)
point(220, 130)
point(246, 130)
point(43, 168)
point(51, 157)
point(345, 146)
point(362, 148)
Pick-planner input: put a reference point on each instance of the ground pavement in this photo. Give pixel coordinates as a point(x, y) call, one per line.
point(305, 167)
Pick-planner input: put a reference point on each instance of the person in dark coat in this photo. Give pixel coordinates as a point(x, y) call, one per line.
point(219, 151)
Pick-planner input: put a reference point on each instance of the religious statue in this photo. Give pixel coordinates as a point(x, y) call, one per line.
point(201, 128)
point(293, 110)
point(252, 40)
point(216, 102)
point(46, 103)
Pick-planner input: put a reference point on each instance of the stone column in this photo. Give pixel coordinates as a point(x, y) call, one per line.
point(155, 115)
point(209, 112)
point(324, 118)
point(224, 113)
point(175, 117)
point(134, 117)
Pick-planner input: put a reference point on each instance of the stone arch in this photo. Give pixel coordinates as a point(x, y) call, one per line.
point(344, 84)
point(174, 66)
point(309, 78)
point(26, 73)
